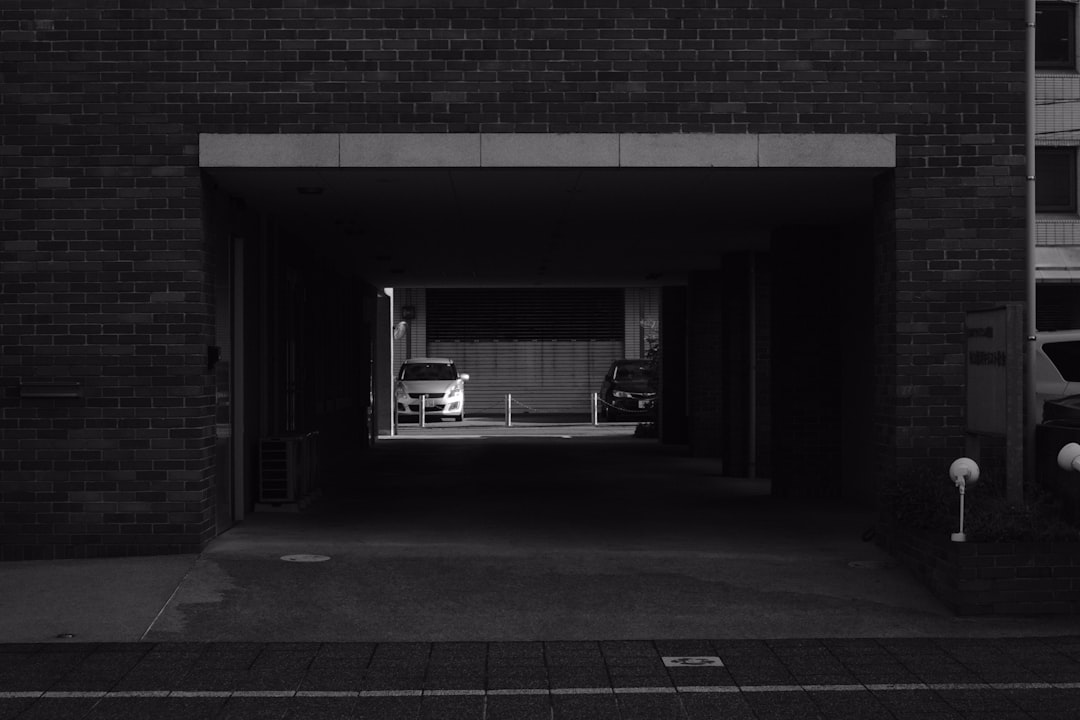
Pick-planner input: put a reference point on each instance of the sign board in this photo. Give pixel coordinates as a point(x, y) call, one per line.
point(987, 356)
point(994, 359)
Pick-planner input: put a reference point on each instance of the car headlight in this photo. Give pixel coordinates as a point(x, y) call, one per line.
point(401, 393)
point(620, 394)
point(455, 390)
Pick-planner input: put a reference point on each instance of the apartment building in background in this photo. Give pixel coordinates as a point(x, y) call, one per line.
point(1057, 137)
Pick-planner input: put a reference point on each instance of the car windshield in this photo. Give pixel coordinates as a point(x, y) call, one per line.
point(634, 372)
point(428, 371)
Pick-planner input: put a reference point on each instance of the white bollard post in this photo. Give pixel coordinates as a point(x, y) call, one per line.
point(509, 411)
point(595, 412)
point(423, 411)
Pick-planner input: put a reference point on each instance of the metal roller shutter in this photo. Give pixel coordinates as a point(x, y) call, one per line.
point(548, 347)
point(542, 376)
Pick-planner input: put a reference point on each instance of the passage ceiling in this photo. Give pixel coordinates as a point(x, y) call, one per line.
point(509, 227)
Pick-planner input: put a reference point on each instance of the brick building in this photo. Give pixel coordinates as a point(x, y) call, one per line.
point(202, 201)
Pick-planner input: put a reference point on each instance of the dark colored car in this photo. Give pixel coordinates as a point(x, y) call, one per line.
point(629, 391)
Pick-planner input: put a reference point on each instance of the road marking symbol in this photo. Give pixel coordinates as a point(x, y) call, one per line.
point(693, 661)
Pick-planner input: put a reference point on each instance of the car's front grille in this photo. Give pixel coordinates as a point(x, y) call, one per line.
point(420, 395)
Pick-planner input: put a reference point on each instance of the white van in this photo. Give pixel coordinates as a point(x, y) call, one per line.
point(1057, 366)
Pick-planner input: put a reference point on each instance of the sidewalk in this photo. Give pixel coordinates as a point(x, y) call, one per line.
point(1029, 679)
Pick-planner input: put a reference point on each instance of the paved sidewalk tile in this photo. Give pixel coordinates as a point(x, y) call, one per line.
point(584, 707)
point(863, 679)
point(56, 709)
point(702, 706)
point(518, 707)
point(388, 708)
point(650, 707)
point(442, 707)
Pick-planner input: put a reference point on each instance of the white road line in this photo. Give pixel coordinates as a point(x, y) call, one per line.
point(644, 690)
point(61, 694)
point(200, 694)
point(138, 693)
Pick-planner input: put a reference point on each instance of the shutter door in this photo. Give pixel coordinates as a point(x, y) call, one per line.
point(542, 376)
point(548, 347)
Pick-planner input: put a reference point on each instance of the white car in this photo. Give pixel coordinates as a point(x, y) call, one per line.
point(1057, 365)
point(438, 380)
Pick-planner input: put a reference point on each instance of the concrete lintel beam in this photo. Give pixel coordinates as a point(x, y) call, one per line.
point(404, 150)
point(691, 150)
point(519, 150)
point(549, 150)
point(833, 150)
point(268, 150)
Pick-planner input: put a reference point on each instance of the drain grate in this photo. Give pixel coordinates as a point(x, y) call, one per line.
point(304, 558)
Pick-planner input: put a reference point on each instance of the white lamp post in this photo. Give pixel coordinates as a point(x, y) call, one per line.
point(962, 472)
point(1069, 457)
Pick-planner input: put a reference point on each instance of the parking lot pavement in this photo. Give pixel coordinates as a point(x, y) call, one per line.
point(955, 678)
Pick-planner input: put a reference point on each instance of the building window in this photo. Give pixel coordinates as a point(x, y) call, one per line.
point(1055, 35)
point(1055, 179)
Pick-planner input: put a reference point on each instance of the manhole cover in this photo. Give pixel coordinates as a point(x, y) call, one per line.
point(305, 558)
point(870, 564)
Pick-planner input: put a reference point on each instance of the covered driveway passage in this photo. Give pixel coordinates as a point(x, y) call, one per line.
point(761, 247)
point(520, 538)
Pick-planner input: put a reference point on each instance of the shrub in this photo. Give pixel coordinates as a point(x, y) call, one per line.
point(922, 498)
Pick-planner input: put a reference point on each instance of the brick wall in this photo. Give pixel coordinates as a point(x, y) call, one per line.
point(104, 274)
point(973, 578)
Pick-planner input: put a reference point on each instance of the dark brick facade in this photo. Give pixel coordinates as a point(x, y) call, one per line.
point(997, 578)
point(105, 274)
